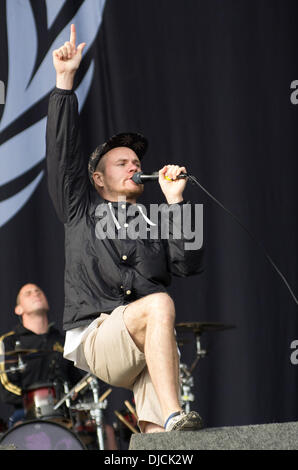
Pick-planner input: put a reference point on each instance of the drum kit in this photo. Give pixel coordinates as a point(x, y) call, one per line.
point(71, 422)
point(75, 420)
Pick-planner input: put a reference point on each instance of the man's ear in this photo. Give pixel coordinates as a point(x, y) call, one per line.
point(18, 310)
point(98, 178)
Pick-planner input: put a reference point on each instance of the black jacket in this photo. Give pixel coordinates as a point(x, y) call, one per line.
point(100, 274)
point(47, 367)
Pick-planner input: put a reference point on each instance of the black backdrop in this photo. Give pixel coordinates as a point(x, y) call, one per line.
point(208, 82)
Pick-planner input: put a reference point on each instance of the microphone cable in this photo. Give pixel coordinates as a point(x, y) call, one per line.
point(194, 180)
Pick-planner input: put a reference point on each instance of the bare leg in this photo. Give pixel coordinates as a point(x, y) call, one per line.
point(150, 427)
point(150, 322)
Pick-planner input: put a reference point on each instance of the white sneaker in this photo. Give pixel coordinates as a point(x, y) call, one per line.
point(184, 422)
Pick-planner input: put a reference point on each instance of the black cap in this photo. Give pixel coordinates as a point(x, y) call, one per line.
point(135, 141)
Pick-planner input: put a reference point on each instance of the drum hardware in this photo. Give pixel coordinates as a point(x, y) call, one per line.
point(66, 390)
point(67, 402)
point(96, 410)
point(21, 365)
point(186, 378)
point(76, 389)
point(38, 402)
point(12, 369)
point(94, 407)
point(187, 384)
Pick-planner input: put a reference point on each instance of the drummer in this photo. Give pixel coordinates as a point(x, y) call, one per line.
point(46, 365)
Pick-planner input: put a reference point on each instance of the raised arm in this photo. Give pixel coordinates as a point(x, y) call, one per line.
point(67, 168)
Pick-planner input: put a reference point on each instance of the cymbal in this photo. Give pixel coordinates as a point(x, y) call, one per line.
point(20, 351)
point(200, 327)
point(28, 352)
point(8, 361)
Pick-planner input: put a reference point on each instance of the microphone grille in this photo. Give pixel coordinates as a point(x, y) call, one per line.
point(137, 177)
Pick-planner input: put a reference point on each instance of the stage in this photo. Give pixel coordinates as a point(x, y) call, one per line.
point(272, 436)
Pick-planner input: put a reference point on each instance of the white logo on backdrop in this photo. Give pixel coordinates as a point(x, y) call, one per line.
point(26, 87)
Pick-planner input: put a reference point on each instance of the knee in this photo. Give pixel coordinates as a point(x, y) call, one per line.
point(158, 306)
point(161, 305)
point(161, 300)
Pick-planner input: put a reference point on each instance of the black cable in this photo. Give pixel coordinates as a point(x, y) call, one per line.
point(194, 180)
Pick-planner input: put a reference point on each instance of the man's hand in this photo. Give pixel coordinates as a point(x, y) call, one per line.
point(67, 60)
point(171, 186)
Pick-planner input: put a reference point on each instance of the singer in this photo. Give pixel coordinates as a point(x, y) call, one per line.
point(119, 318)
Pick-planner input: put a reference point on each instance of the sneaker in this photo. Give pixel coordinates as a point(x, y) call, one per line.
point(184, 422)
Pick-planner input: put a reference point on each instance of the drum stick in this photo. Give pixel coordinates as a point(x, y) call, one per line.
point(74, 389)
point(105, 394)
point(131, 408)
point(119, 415)
point(79, 387)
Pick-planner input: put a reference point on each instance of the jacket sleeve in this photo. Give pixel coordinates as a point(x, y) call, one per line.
point(10, 383)
point(66, 167)
point(185, 238)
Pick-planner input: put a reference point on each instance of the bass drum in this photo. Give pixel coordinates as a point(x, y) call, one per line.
point(41, 435)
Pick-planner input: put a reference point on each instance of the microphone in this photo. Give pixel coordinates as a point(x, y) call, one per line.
point(141, 178)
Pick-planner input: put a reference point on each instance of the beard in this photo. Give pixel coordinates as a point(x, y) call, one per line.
point(132, 192)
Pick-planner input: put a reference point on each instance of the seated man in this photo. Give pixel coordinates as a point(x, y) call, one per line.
point(33, 332)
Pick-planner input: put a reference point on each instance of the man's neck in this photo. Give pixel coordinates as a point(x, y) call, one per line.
point(36, 322)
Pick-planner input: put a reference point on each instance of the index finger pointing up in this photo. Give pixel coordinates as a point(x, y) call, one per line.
point(72, 39)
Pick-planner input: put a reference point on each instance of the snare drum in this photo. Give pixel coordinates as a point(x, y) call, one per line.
point(39, 401)
point(41, 435)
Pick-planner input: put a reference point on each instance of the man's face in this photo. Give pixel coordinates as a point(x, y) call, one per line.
point(31, 299)
point(115, 181)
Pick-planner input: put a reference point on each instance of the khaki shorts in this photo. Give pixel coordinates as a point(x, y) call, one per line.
point(113, 357)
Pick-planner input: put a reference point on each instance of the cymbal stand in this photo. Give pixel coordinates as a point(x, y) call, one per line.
point(186, 378)
point(186, 381)
point(67, 401)
point(95, 408)
point(96, 412)
point(201, 353)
